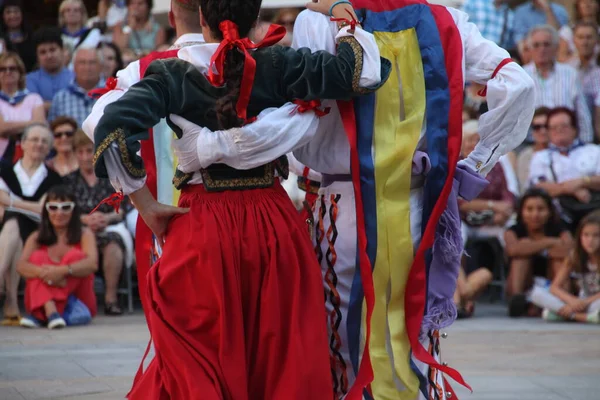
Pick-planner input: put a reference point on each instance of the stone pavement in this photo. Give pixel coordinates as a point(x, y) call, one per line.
point(502, 359)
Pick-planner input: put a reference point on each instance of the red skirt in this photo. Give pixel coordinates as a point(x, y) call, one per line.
point(236, 303)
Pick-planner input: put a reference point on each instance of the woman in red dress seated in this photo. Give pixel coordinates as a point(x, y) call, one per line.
point(58, 260)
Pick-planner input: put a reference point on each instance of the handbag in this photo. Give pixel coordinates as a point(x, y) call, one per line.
point(572, 209)
point(76, 313)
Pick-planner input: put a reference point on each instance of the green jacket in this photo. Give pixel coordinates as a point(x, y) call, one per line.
point(174, 86)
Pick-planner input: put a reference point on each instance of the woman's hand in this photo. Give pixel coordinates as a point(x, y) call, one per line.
point(566, 312)
point(4, 198)
point(54, 276)
point(579, 305)
point(155, 214)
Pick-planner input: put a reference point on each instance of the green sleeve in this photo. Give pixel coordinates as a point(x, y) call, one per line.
point(320, 75)
point(127, 121)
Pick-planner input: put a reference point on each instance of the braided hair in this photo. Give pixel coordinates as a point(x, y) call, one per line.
point(244, 13)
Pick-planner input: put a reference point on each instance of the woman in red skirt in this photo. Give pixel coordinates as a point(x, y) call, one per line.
point(236, 300)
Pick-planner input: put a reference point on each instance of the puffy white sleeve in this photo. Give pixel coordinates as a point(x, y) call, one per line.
point(317, 32)
point(510, 96)
point(117, 173)
point(125, 79)
point(276, 132)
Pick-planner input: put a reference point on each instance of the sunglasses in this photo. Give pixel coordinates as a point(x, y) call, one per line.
point(58, 135)
point(537, 127)
point(9, 69)
point(52, 206)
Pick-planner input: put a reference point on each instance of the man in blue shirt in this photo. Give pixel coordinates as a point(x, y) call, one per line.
point(538, 12)
point(74, 101)
point(52, 76)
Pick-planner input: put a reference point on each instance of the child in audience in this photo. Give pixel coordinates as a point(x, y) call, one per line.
point(582, 266)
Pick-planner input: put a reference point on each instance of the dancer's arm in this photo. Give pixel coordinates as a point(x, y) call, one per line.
point(510, 96)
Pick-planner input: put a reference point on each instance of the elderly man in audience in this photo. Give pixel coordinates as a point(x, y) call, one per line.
point(74, 101)
point(539, 132)
point(22, 192)
point(557, 84)
point(569, 168)
point(585, 38)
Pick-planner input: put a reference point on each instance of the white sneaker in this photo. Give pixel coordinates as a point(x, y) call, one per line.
point(30, 321)
point(55, 321)
point(551, 316)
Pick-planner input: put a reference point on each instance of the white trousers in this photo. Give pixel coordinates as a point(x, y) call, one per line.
point(335, 243)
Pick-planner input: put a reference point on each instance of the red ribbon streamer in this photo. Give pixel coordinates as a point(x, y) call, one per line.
point(483, 92)
point(352, 21)
point(111, 84)
point(114, 200)
point(231, 40)
point(313, 105)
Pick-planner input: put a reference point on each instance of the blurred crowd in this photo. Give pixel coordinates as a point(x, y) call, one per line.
point(532, 234)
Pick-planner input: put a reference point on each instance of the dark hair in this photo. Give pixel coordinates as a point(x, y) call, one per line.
point(563, 110)
point(579, 258)
point(63, 120)
point(47, 235)
point(118, 56)
point(150, 4)
point(47, 35)
point(13, 3)
point(531, 193)
point(243, 13)
point(541, 111)
point(584, 24)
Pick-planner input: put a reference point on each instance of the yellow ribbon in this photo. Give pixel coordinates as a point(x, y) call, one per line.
point(399, 115)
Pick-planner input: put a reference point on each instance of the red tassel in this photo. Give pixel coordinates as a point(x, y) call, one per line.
point(111, 84)
point(449, 391)
point(114, 200)
point(313, 105)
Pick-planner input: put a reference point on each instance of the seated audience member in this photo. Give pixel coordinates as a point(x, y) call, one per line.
point(75, 101)
point(22, 191)
point(486, 215)
point(559, 303)
point(58, 261)
point(18, 107)
point(112, 62)
point(52, 75)
point(536, 246)
point(113, 239)
point(568, 170)
point(64, 162)
point(16, 33)
point(72, 19)
point(139, 32)
point(471, 283)
point(540, 142)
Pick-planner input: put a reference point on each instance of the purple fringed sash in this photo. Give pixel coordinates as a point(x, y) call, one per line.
point(447, 251)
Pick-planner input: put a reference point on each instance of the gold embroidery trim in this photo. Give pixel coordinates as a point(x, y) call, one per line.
point(119, 137)
point(267, 180)
point(180, 179)
point(358, 63)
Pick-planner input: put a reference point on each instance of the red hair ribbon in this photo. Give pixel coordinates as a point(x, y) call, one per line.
point(114, 200)
point(483, 92)
point(231, 39)
point(352, 21)
point(313, 105)
point(111, 84)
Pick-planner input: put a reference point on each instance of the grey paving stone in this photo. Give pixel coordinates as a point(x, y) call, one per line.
point(10, 393)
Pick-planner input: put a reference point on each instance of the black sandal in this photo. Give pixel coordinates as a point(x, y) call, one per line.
point(112, 309)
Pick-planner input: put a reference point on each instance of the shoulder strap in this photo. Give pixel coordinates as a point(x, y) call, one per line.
point(552, 167)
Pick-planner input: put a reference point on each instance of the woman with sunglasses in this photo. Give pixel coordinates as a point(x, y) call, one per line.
point(18, 106)
point(114, 242)
point(22, 191)
point(64, 162)
point(59, 260)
